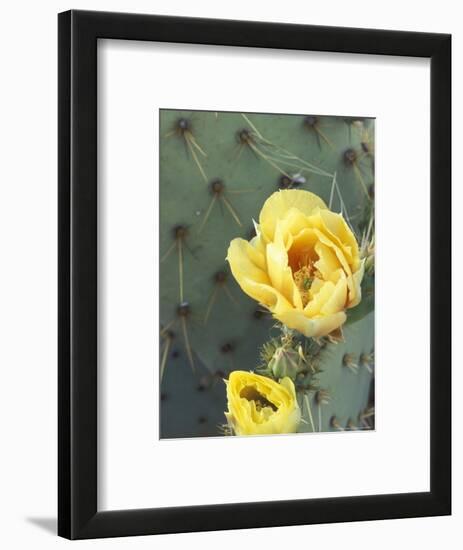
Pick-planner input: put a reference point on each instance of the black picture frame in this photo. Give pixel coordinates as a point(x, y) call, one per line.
point(78, 33)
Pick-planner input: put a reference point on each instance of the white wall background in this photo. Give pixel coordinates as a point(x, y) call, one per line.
point(28, 271)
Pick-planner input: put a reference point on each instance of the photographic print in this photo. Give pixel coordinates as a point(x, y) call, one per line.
point(266, 273)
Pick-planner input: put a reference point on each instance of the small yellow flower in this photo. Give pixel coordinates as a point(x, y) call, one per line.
point(259, 405)
point(303, 265)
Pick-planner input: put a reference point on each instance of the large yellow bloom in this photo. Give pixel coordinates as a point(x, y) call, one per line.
point(303, 265)
point(259, 405)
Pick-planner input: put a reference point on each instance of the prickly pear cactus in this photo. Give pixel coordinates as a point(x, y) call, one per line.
point(216, 171)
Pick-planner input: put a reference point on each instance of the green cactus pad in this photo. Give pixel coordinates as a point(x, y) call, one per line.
point(216, 171)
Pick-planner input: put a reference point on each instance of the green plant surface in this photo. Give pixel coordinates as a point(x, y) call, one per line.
point(346, 380)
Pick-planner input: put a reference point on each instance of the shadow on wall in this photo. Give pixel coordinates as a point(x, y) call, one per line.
point(47, 524)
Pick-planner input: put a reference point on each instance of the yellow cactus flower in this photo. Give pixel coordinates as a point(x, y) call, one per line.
point(258, 405)
point(303, 265)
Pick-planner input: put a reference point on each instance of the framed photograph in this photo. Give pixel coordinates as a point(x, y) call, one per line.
point(254, 274)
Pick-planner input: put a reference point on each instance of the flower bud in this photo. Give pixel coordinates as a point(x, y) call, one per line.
point(285, 362)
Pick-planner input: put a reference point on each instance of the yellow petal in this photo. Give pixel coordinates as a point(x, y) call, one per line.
point(246, 256)
point(292, 223)
point(264, 294)
point(338, 298)
point(336, 229)
point(281, 275)
point(328, 262)
point(259, 250)
point(245, 261)
point(336, 249)
point(287, 383)
point(317, 327)
point(316, 286)
point(278, 204)
point(303, 248)
point(315, 305)
point(342, 260)
point(355, 295)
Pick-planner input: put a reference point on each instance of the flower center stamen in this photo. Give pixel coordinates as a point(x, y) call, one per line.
point(304, 278)
point(251, 394)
